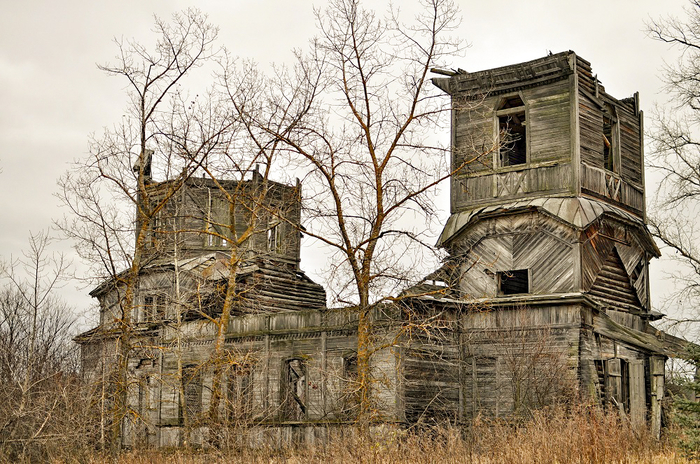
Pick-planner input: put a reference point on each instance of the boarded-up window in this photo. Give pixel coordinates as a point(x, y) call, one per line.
point(294, 389)
point(513, 282)
point(158, 229)
point(143, 400)
point(481, 387)
point(192, 388)
point(217, 224)
point(617, 383)
point(350, 398)
point(239, 394)
point(512, 132)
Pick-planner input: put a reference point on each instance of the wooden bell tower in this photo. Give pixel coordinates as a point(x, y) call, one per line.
point(548, 219)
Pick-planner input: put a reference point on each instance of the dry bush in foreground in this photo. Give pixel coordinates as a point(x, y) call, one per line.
point(582, 435)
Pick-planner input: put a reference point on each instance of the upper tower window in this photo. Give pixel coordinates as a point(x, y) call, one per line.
point(512, 132)
point(610, 140)
point(274, 238)
point(217, 223)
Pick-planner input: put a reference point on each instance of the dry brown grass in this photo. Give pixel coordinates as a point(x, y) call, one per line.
point(585, 435)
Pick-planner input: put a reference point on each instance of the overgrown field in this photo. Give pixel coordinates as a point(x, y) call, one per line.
point(585, 435)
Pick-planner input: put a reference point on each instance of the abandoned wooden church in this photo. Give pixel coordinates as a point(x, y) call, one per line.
point(544, 296)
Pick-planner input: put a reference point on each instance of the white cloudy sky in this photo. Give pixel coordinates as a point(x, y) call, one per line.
point(52, 96)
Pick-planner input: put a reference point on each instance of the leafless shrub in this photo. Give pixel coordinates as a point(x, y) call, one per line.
point(41, 405)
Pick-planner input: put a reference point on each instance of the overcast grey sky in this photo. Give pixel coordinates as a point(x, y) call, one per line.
point(53, 96)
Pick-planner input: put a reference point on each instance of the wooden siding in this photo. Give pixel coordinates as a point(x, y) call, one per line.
point(613, 261)
point(519, 241)
point(609, 352)
point(511, 183)
point(199, 215)
point(431, 389)
point(612, 285)
point(634, 258)
point(610, 186)
point(595, 249)
point(624, 185)
point(483, 390)
point(630, 147)
point(584, 73)
point(591, 131)
point(548, 122)
point(474, 140)
point(272, 288)
point(517, 359)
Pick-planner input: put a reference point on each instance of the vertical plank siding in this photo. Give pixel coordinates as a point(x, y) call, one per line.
point(591, 132)
point(549, 124)
point(630, 143)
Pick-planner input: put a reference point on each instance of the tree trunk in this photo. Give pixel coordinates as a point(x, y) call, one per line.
point(217, 356)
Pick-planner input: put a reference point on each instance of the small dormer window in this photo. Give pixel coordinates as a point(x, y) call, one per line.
point(513, 282)
point(512, 132)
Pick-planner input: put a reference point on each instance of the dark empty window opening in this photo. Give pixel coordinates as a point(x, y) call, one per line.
point(511, 102)
point(143, 399)
point(512, 132)
point(350, 366)
point(294, 389)
point(608, 158)
point(513, 282)
point(158, 229)
point(625, 390)
point(610, 142)
point(217, 222)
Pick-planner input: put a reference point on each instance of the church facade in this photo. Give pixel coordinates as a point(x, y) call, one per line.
point(544, 295)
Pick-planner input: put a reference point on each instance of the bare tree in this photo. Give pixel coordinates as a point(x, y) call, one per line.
point(169, 137)
point(155, 139)
point(676, 156)
point(35, 349)
point(363, 134)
